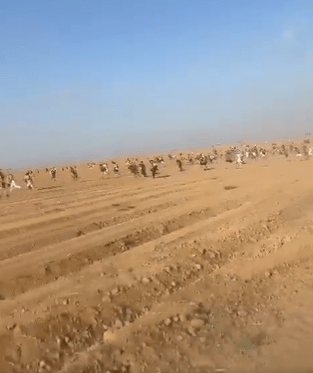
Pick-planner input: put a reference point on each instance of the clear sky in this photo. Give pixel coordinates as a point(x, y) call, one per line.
point(96, 78)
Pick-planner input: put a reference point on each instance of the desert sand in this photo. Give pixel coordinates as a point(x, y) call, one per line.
point(194, 271)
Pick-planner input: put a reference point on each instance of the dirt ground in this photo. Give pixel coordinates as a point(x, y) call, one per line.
point(194, 271)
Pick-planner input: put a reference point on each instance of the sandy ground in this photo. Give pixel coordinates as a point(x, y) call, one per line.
point(195, 271)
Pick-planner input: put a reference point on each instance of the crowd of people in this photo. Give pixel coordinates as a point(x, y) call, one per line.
point(136, 167)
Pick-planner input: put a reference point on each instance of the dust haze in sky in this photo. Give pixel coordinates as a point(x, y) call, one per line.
point(110, 91)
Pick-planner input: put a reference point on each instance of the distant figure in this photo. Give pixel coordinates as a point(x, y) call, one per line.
point(3, 184)
point(104, 168)
point(142, 167)
point(238, 160)
point(116, 168)
point(247, 151)
point(91, 165)
point(154, 168)
point(53, 173)
point(179, 164)
point(305, 151)
point(11, 183)
point(74, 173)
point(28, 180)
point(203, 160)
point(133, 168)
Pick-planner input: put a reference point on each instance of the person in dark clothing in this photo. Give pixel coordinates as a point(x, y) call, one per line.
point(154, 168)
point(179, 164)
point(203, 160)
point(142, 167)
point(28, 180)
point(74, 173)
point(2, 179)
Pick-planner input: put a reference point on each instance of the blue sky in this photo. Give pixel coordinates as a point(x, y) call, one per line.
point(83, 79)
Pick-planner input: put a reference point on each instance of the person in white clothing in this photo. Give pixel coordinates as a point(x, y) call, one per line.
point(11, 183)
point(238, 160)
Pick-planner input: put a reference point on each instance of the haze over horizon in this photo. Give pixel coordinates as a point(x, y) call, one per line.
point(90, 79)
